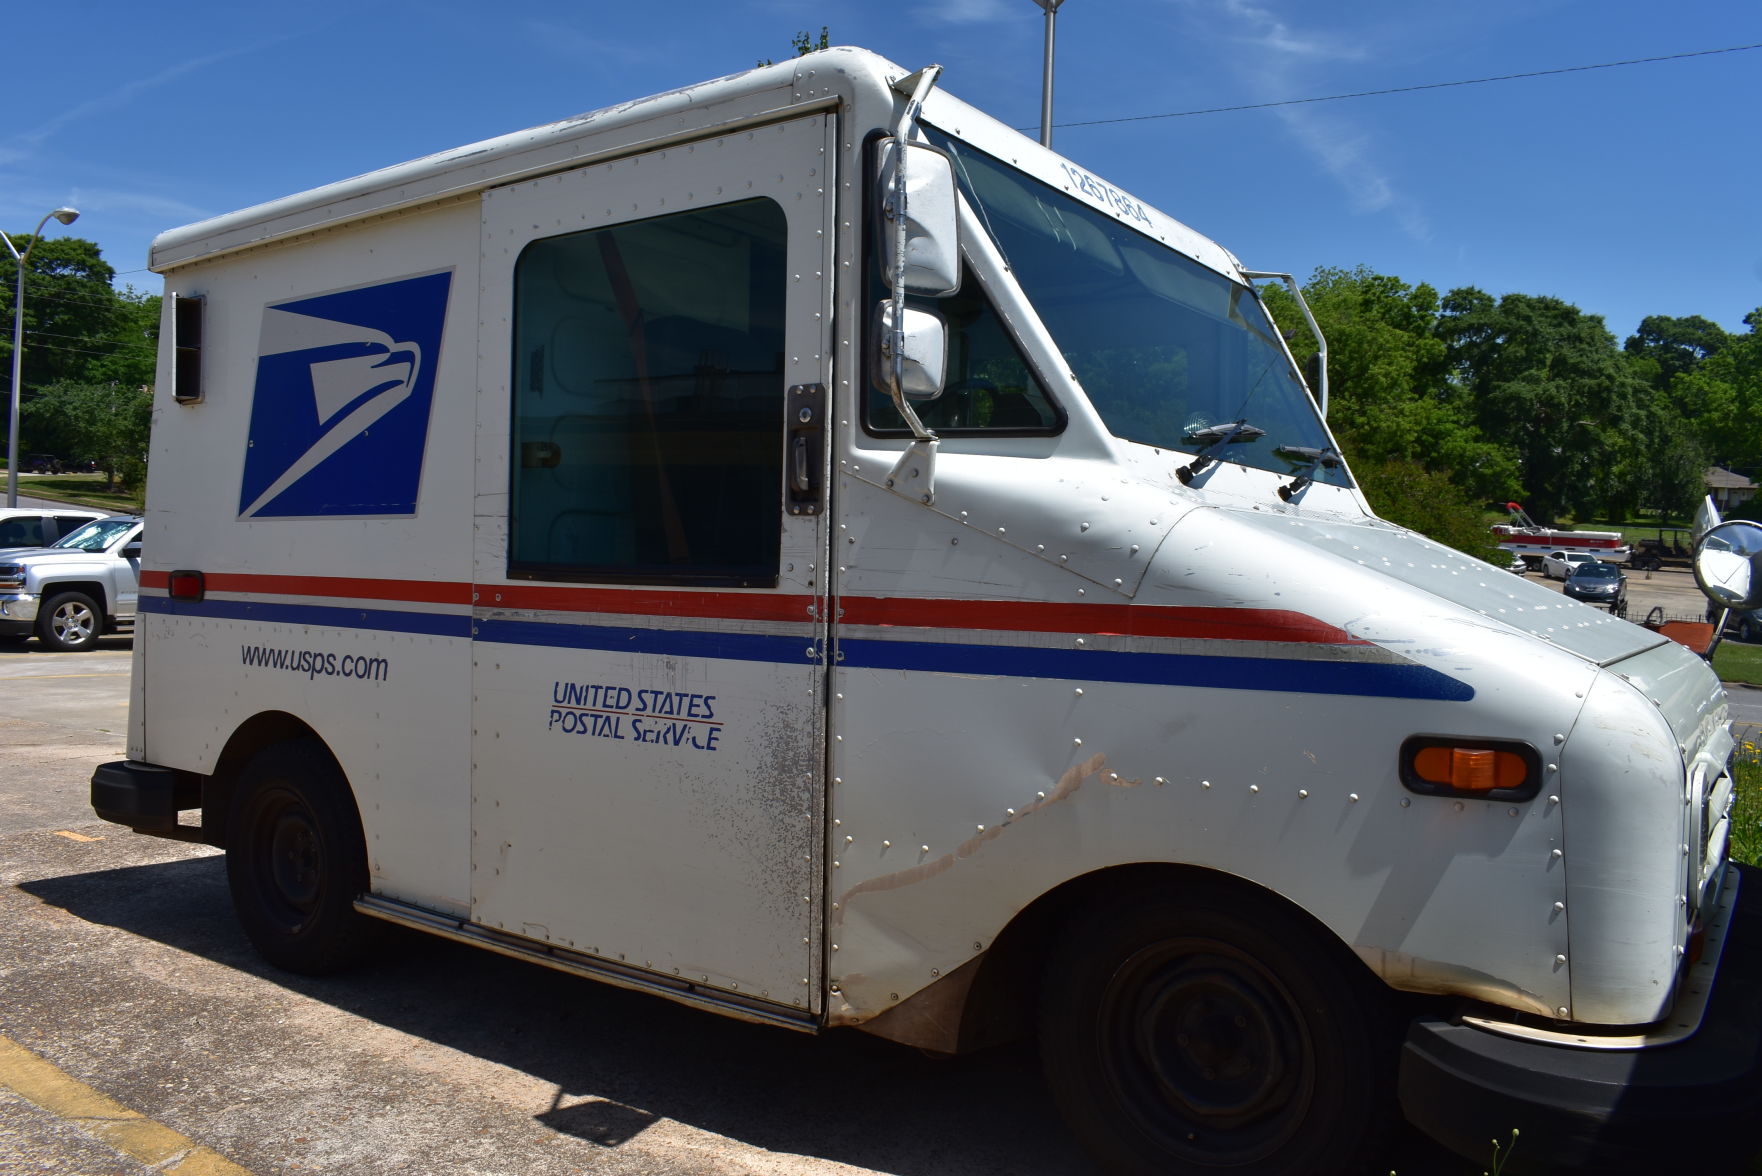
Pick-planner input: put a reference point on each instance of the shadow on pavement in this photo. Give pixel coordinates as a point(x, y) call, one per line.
point(844, 1096)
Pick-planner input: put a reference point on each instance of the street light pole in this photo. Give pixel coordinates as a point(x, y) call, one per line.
point(66, 216)
point(1051, 7)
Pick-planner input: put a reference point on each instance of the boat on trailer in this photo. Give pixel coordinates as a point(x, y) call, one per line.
point(1523, 536)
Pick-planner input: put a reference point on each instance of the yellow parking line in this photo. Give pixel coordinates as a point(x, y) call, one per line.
point(129, 1132)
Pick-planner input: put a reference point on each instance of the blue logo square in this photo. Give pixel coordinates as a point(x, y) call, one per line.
point(339, 419)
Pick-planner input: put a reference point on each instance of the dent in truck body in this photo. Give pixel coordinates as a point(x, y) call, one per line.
point(1287, 790)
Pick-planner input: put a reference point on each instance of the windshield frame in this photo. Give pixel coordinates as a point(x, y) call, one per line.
point(1238, 339)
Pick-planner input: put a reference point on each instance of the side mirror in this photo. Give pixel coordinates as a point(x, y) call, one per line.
point(932, 233)
point(1728, 564)
point(132, 551)
point(923, 348)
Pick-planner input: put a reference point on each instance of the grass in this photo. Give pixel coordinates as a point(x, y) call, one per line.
point(1746, 811)
point(1734, 661)
point(80, 490)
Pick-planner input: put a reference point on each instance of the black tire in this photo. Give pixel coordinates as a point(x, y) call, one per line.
point(1200, 1029)
point(70, 622)
point(296, 860)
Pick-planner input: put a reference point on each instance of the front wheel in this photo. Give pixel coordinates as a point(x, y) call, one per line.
point(70, 622)
point(296, 860)
point(1196, 1029)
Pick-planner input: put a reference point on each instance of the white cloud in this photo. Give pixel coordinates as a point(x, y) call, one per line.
point(1268, 31)
point(1348, 155)
point(569, 41)
point(158, 209)
point(125, 94)
point(1282, 62)
point(971, 11)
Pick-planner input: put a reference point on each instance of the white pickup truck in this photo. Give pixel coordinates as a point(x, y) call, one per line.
point(72, 593)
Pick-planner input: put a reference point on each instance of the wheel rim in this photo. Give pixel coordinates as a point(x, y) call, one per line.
point(1207, 1052)
point(289, 859)
point(73, 623)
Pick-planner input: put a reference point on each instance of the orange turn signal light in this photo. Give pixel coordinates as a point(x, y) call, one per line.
point(1471, 769)
point(1441, 766)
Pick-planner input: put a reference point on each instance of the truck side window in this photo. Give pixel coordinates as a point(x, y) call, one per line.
point(23, 531)
point(990, 387)
point(648, 400)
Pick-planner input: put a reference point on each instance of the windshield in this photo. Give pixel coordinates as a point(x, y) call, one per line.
point(1596, 571)
point(96, 535)
point(1163, 347)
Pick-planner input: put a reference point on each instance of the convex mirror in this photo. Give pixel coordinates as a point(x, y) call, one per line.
point(932, 234)
point(1728, 564)
point(923, 347)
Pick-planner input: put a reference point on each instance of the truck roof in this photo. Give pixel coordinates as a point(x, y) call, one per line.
point(460, 171)
point(816, 81)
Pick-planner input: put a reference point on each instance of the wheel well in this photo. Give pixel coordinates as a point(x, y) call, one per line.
point(90, 587)
point(253, 735)
point(1000, 1005)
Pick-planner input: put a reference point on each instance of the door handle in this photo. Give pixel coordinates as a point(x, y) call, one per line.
point(806, 410)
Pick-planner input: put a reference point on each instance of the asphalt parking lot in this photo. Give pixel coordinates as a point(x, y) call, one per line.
point(129, 985)
point(140, 1033)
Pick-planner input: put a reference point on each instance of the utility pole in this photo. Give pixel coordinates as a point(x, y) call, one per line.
point(66, 216)
point(1051, 7)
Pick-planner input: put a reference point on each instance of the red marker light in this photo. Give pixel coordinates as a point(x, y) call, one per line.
point(186, 585)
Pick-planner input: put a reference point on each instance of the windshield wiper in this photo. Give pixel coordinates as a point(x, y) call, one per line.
point(1308, 457)
point(1214, 438)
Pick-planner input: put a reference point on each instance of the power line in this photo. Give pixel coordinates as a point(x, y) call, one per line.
point(47, 297)
point(79, 350)
point(1539, 73)
point(141, 345)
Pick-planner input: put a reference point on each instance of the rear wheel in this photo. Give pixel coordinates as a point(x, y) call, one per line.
point(296, 860)
point(1201, 1030)
point(70, 622)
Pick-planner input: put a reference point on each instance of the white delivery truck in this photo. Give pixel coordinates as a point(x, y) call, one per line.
point(702, 546)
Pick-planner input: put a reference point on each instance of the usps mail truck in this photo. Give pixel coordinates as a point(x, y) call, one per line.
point(797, 547)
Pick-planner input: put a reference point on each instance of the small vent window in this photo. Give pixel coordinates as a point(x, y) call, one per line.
point(186, 328)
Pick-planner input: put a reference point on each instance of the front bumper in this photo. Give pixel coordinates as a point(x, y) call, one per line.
point(1648, 1109)
point(18, 613)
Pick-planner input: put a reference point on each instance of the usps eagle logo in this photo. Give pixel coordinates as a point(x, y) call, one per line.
point(339, 417)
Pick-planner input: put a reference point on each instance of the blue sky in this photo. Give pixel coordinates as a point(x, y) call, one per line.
point(1626, 191)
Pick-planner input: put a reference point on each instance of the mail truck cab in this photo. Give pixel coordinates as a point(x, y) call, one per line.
point(795, 546)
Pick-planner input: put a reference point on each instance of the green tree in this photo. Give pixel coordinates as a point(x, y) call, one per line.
point(78, 330)
point(803, 43)
point(1722, 396)
point(103, 423)
point(1389, 396)
point(1672, 346)
point(1427, 501)
point(71, 311)
point(1548, 383)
